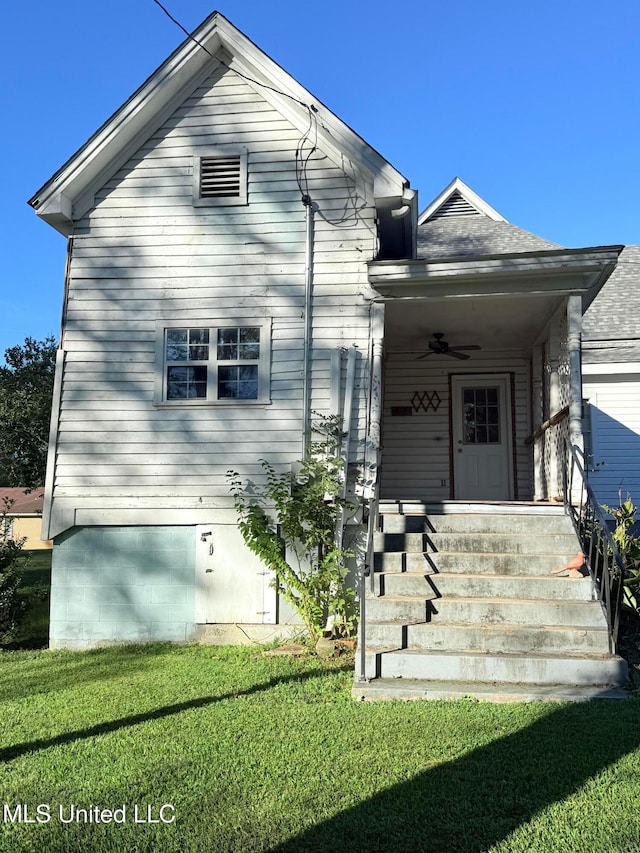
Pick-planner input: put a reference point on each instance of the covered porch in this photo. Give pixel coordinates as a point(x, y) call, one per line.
point(479, 366)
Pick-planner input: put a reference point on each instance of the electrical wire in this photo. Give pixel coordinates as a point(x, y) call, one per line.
point(302, 160)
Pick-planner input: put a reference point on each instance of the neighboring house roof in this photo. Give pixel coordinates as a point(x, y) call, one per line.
point(23, 502)
point(611, 327)
point(458, 224)
point(69, 194)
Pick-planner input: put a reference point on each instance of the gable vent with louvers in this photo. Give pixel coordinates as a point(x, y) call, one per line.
point(220, 177)
point(455, 205)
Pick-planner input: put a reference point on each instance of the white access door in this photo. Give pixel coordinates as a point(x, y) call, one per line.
point(232, 583)
point(482, 437)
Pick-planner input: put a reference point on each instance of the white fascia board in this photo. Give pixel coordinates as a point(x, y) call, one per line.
point(587, 263)
point(123, 133)
point(468, 194)
point(69, 193)
point(344, 146)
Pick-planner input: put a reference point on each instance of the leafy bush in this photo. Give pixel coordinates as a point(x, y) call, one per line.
point(301, 546)
point(10, 603)
point(628, 545)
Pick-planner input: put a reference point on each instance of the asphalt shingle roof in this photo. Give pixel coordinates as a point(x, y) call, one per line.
point(615, 313)
point(466, 236)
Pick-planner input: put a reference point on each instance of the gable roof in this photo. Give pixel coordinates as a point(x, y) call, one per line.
point(70, 192)
point(612, 319)
point(458, 223)
point(23, 502)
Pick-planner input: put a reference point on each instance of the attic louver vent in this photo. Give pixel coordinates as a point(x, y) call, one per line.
point(455, 205)
point(220, 177)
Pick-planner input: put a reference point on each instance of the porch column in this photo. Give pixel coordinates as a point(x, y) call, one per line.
point(537, 416)
point(372, 462)
point(574, 334)
point(550, 440)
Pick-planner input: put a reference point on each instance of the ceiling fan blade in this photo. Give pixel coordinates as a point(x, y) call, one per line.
point(457, 354)
point(468, 347)
point(424, 355)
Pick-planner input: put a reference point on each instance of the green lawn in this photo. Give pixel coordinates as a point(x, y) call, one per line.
point(270, 753)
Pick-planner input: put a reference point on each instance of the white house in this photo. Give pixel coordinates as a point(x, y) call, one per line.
point(611, 383)
point(238, 258)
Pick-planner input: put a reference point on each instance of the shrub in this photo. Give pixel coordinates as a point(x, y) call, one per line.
point(300, 545)
point(10, 603)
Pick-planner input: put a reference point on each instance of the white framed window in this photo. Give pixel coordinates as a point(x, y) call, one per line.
point(220, 178)
point(217, 362)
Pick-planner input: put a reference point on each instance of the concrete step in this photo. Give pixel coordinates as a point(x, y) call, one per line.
point(396, 608)
point(480, 523)
point(497, 639)
point(478, 543)
point(462, 508)
point(495, 564)
point(393, 689)
point(510, 611)
point(444, 585)
point(403, 561)
point(577, 670)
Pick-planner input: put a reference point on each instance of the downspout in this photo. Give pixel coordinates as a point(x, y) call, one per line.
point(308, 298)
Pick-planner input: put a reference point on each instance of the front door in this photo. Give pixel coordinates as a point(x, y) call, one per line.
point(482, 437)
point(232, 583)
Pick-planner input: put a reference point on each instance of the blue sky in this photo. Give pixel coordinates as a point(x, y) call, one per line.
point(536, 106)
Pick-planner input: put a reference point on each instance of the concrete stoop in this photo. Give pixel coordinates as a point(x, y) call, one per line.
point(464, 604)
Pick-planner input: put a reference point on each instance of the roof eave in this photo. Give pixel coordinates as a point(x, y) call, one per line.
point(69, 193)
point(561, 271)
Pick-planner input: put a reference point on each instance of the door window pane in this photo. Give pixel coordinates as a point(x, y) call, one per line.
point(481, 416)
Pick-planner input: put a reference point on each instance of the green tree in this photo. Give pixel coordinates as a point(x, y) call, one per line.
point(26, 388)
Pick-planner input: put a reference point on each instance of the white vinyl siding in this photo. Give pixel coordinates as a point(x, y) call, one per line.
point(416, 460)
point(145, 257)
point(614, 412)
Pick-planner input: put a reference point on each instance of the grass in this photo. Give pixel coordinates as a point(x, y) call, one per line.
point(260, 753)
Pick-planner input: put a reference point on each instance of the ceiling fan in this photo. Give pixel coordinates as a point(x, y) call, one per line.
point(439, 346)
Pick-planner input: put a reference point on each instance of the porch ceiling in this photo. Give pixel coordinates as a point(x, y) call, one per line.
point(494, 323)
point(498, 302)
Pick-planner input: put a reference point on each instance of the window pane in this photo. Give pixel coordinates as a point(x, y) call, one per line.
point(238, 383)
point(249, 343)
point(177, 349)
point(187, 344)
point(184, 383)
point(228, 344)
point(198, 344)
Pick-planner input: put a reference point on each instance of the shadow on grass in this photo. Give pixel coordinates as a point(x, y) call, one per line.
point(52, 671)
point(474, 802)
point(11, 752)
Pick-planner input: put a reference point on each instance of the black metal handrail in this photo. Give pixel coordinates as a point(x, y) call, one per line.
point(601, 553)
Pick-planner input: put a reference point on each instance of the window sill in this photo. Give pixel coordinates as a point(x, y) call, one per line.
point(208, 404)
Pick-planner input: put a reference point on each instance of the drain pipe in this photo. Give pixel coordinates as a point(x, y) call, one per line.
point(308, 297)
